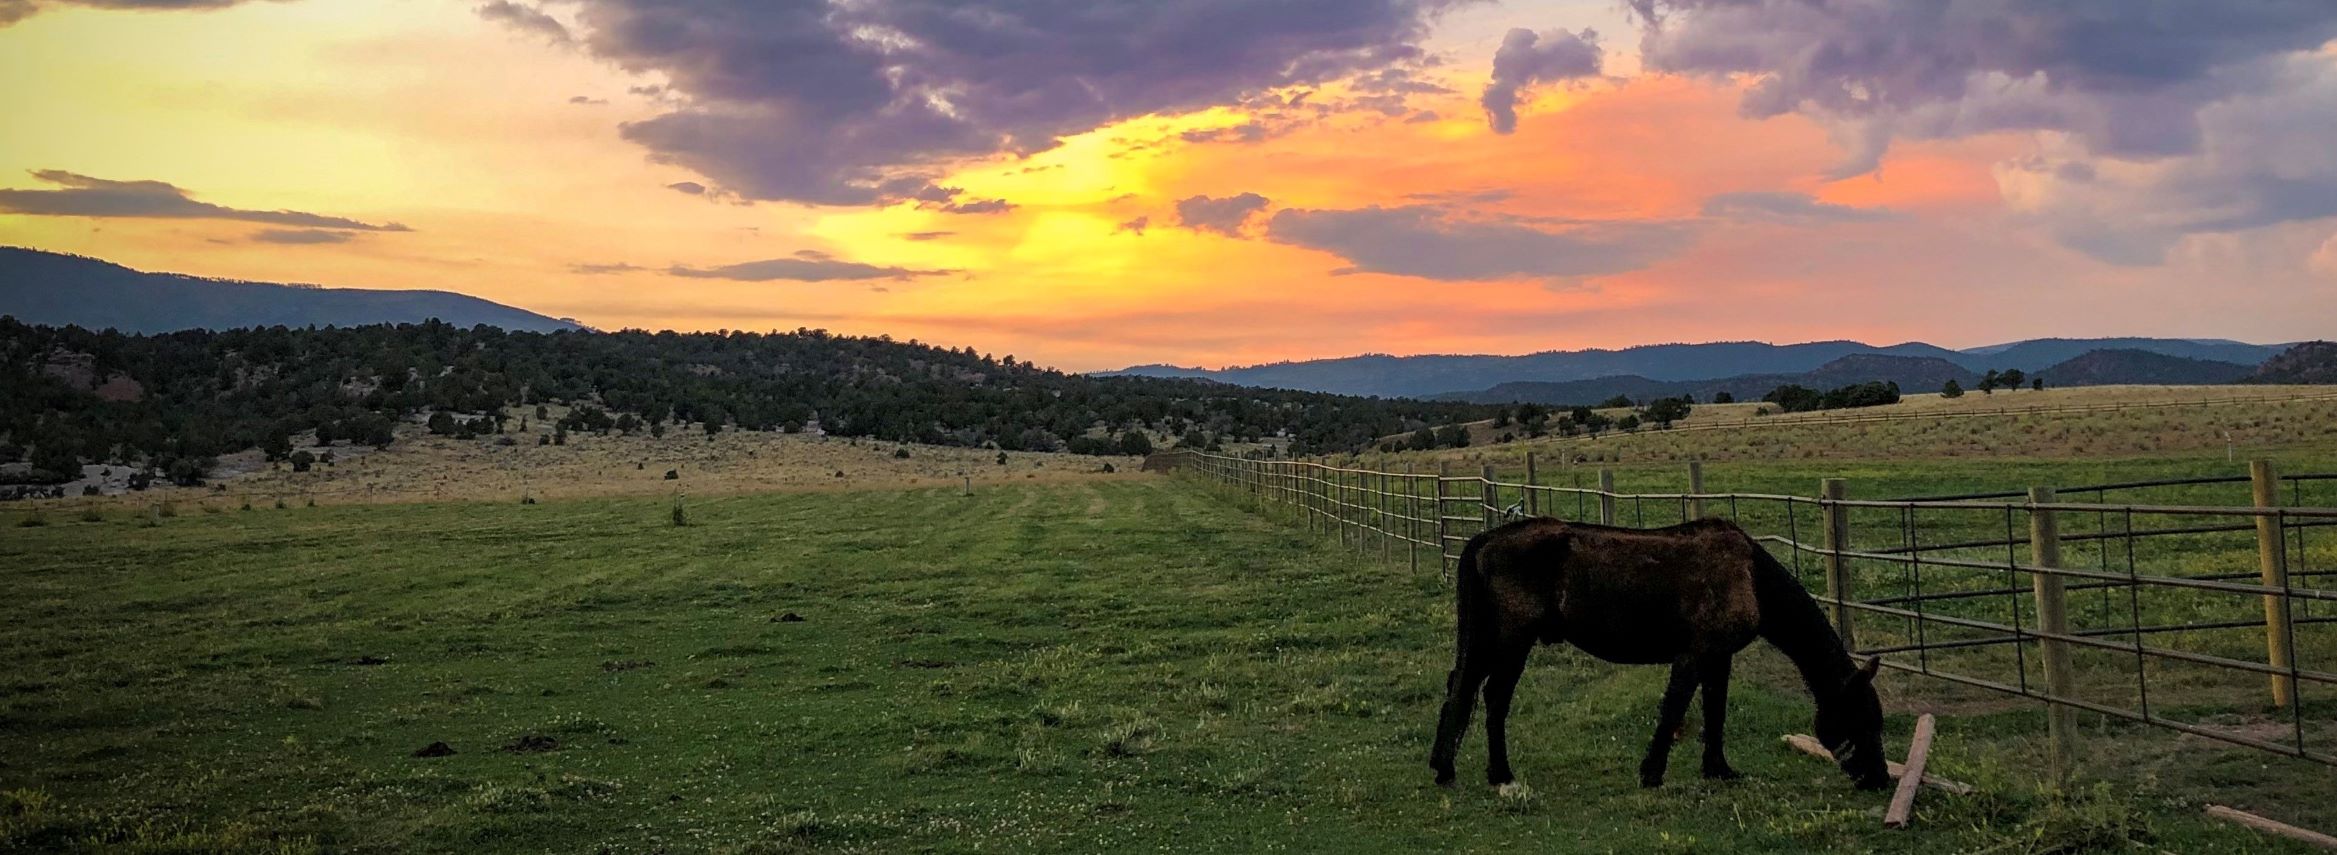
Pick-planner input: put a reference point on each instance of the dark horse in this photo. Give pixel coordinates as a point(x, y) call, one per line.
point(1689, 596)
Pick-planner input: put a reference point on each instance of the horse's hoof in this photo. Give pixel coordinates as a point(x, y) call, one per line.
point(1444, 779)
point(1722, 773)
point(1650, 781)
point(1498, 781)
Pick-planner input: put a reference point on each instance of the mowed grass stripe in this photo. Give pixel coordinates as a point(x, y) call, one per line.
point(1130, 665)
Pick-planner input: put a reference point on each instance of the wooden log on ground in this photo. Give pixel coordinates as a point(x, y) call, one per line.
point(1808, 745)
point(2272, 827)
point(1911, 778)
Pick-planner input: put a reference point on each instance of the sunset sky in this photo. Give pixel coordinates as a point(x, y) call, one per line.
point(1097, 183)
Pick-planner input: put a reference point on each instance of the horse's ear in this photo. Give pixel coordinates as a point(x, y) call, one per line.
point(1867, 669)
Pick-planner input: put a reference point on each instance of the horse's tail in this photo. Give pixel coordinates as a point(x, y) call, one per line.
point(1471, 599)
point(1472, 606)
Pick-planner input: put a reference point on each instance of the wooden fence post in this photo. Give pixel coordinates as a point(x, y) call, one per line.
point(1339, 502)
point(2053, 619)
point(1412, 516)
point(1696, 486)
point(2272, 564)
point(1303, 493)
point(1533, 495)
point(1382, 503)
point(1444, 469)
point(1838, 588)
point(1492, 498)
point(1606, 497)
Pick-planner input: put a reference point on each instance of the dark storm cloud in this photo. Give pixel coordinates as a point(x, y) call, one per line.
point(2128, 77)
point(691, 187)
point(1247, 132)
point(1431, 243)
point(83, 196)
point(2216, 114)
point(979, 206)
point(804, 266)
point(1224, 216)
point(526, 19)
point(1787, 207)
point(1526, 59)
point(826, 103)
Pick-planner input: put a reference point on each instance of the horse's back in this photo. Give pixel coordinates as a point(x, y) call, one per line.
point(1635, 596)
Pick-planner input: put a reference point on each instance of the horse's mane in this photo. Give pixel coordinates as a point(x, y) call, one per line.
point(1792, 621)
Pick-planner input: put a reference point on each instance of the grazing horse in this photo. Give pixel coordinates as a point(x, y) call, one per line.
point(1689, 596)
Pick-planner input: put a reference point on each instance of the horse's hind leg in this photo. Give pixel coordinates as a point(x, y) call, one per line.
point(1714, 675)
point(1499, 687)
point(1460, 700)
point(1676, 693)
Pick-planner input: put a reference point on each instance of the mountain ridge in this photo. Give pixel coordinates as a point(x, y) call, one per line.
point(1451, 375)
point(51, 288)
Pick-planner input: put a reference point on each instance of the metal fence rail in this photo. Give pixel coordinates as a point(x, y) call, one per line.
point(1853, 417)
point(2175, 616)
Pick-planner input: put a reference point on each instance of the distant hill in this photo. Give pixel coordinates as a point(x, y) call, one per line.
point(2118, 366)
point(51, 288)
point(1450, 375)
point(2043, 352)
point(1913, 374)
point(2310, 362)
point(1422, 376)
point(72, 395)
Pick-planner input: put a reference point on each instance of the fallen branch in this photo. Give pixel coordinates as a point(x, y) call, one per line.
point(2272, 827)
point(1911, 776)
point(1809, 746)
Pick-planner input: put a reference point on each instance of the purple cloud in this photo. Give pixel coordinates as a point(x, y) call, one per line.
point(1526, 59)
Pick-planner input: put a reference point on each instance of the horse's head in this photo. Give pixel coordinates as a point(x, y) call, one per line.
point(1850, 724)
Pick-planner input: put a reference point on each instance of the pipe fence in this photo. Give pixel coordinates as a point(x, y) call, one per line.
point(1853, 416)
point(2201, 619)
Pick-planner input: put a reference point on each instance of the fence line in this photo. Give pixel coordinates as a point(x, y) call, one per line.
point(1830, 417)
point(1909, 577)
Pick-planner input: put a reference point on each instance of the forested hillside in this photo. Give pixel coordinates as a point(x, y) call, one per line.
point(174, 400)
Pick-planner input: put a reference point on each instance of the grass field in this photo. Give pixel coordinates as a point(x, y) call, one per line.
point(422, 467)
point(2061, 423)
point(1113, 665)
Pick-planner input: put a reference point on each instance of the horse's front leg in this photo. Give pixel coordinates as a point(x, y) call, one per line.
point(1667, 722)
point(1714, 676)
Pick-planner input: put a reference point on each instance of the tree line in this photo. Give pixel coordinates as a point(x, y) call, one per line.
point(204, 393)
